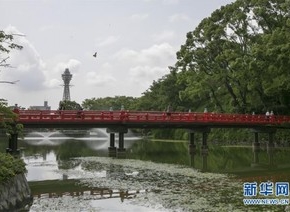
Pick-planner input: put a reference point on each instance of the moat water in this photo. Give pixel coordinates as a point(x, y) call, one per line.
point(69, 173)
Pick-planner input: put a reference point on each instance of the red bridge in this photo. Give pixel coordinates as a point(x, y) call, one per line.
point(139, 119)
point(121, 121)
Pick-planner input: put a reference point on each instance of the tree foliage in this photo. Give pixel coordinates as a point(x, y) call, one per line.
point(114, 103)
point(7, 120)
point(69, 105)
point(10, 167)
point(6, 45)
point(164, 92)
point(237, 59)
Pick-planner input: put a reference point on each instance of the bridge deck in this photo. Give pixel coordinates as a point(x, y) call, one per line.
point(150, 119)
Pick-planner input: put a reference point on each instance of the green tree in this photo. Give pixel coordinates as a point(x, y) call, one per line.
point(69, 105)
point(6, 45)
point(115, 103)
point(164, 92)
point(10, 167)
point(237, 60)
point(7, 117)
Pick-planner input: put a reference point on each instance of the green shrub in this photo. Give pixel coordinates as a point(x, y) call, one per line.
point(10, 167)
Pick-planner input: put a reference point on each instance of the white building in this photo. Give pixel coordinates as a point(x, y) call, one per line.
point(44, 107)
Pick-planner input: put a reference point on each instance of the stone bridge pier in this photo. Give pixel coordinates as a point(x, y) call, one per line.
point(113, 151)
point(256, 146)
point(204, 147)
point(13, 144)
point(13, 141)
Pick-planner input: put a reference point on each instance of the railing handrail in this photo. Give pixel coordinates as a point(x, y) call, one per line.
point(85, 116)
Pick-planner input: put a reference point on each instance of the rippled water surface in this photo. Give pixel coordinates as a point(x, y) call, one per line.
point(75, 174)
point(148, 186)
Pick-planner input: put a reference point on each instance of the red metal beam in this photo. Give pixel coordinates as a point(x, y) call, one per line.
point(142, 118)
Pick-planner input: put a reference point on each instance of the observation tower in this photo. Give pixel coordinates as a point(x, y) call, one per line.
point(66, 77)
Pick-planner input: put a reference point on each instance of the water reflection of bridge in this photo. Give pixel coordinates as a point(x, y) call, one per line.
point(96, 193)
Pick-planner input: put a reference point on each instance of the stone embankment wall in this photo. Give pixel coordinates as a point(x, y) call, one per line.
point(15, 194)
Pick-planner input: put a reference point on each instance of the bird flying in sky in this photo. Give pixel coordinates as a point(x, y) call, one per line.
point(95, 55)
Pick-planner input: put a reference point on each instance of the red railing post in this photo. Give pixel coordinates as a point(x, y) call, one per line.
point(163, 116)
point(61, 115)
point(205, 116)
point(122, 115)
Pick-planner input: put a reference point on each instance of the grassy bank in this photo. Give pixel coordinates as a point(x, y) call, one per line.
point(10, 167)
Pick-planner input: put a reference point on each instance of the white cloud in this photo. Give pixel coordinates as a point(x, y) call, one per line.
point(106, 66)
point(146, 74)
point(139, 17)
point(170, 1)
point(95, 79)
point(53, 83)
point(156, 55)
point(159, 53)
point(28, 65)
point(53, 78)
point(108, 41)
point(143, 76)
point(149, 0)
point(72, 64)
point(147, 64)
point(47, 28)
point(167, 2)
point(31, 70)
point(178, 17)
point(164, 36)
point(126, 54)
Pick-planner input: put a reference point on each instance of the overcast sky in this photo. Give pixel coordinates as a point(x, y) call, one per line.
point(136, 41)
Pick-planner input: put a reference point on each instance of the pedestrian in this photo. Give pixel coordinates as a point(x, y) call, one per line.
point(267, 115)
point(80, 111)
point(168, 110)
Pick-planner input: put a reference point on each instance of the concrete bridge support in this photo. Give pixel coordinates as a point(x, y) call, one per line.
point(271, 149)
point(112, 149)
point(13, 144)
point(119, 152)
point(204, 146)
point(270, 146)
point(204, 150)
point(191, 148)
point(256, 150)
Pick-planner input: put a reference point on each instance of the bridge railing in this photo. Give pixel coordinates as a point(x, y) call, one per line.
point(26, 116)
point(204, 117)
point(199, 117)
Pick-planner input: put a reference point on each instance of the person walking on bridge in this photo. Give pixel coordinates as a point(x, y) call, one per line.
point(168, 110)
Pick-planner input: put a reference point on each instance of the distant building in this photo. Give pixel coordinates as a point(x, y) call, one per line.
point(44, 107)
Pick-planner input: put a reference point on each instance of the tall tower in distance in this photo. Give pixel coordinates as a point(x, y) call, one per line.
point(66, 77)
